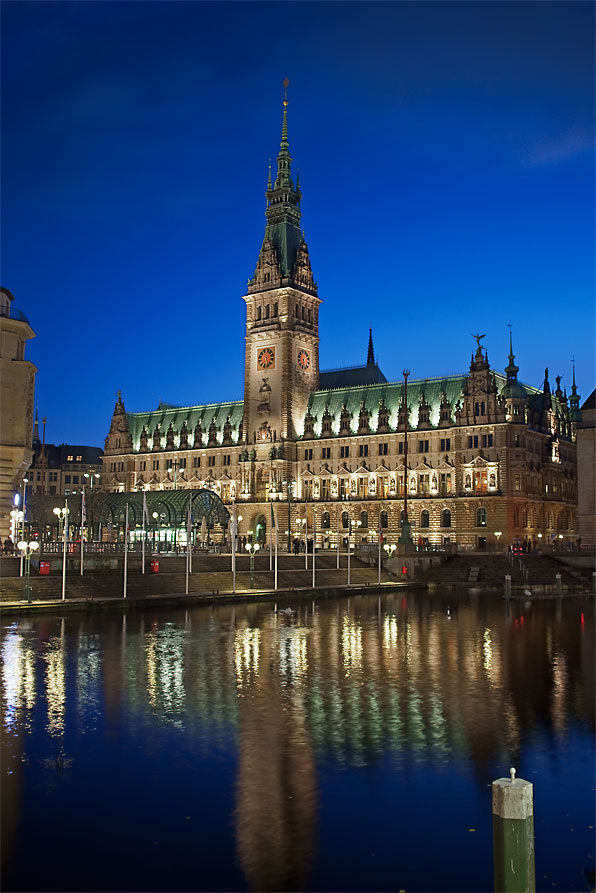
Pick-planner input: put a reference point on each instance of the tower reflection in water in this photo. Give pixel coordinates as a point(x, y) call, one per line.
point(353, 682)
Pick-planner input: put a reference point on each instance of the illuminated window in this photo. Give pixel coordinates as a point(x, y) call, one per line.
point(326, 521)
point(79, 458)
point(69, 458)
point(481, 518)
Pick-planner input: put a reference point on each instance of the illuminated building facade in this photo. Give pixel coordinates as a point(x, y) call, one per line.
point(486, 453)
point(17, 385)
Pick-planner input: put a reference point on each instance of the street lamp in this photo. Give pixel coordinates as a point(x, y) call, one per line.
point(351, 525)
point(252, 548)
point(16, 517)
point(498, 534)
point(390, 549)
point(26, 549)
point(90, 477)
point(62, 515)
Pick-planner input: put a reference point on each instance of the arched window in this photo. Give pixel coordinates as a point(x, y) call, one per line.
point(384, 520)
point(481, 518)
point(446, 518)
point(326, 521)
point(258, 312)
point(424, 519)
point(364, 519)
point(345, 520)
point(266, 311)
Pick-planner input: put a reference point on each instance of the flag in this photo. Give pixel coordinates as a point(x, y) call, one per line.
point(380, 529)
point(272, 517)
point(145, 511)
point(83, 507)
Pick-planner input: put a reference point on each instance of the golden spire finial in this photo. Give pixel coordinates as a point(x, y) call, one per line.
point(286, 83)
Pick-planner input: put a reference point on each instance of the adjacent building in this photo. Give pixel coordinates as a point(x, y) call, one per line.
point(17, 384)
point(488, 458)
point(586, 460)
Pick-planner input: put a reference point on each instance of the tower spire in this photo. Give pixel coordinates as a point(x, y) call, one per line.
point(370, 360)
point(283, 258)
point(574, 397)
point(511, 369)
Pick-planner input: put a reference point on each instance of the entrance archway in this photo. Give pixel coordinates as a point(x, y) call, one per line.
point(261, 530)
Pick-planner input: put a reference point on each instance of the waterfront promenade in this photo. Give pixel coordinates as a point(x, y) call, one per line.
point(211, 580)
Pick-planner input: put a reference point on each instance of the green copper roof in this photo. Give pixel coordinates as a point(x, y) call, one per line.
point(283, 207)
point(392, 394)
point(176, 416)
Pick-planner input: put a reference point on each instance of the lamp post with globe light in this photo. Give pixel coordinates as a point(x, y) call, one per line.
point(390, 549)
point(26, 548)
point(62, 515)
point(351, 526)
point(252, 548)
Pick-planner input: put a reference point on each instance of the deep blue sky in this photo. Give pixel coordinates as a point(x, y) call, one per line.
point(446, 156)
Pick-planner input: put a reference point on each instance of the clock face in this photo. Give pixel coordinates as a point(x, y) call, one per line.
point(266, 358)
point(303, 359)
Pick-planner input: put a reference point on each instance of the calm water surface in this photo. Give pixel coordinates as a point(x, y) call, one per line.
point(347, 745)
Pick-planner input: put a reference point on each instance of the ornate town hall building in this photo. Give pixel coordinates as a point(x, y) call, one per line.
point(485, 452)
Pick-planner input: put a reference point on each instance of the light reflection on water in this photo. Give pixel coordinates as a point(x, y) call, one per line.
point(264, 708)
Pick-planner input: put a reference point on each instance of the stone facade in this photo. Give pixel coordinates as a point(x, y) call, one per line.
point(586, 460)
point(17, 385)
point(489, 459)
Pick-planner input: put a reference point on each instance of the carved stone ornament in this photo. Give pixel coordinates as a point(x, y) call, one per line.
point(264, 397)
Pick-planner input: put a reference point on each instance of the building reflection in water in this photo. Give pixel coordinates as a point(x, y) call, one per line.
point(353, 682)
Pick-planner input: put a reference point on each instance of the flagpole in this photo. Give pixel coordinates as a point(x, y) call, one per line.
point(276, 545)
point(187, 544)
point(144, 529)
point(338, 517)
point(349, 545)
point(306, 536)
point(314, 545)
point(233, 525)
point(125, 550)
point(83, 519)
point(380, 538)
point(271, 538)
point(190, 533)
point(65, 537)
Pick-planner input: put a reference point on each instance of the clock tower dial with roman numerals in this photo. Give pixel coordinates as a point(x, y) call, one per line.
point(282, 314)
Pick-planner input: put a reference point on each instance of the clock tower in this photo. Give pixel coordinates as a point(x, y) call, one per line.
point(282, 316)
